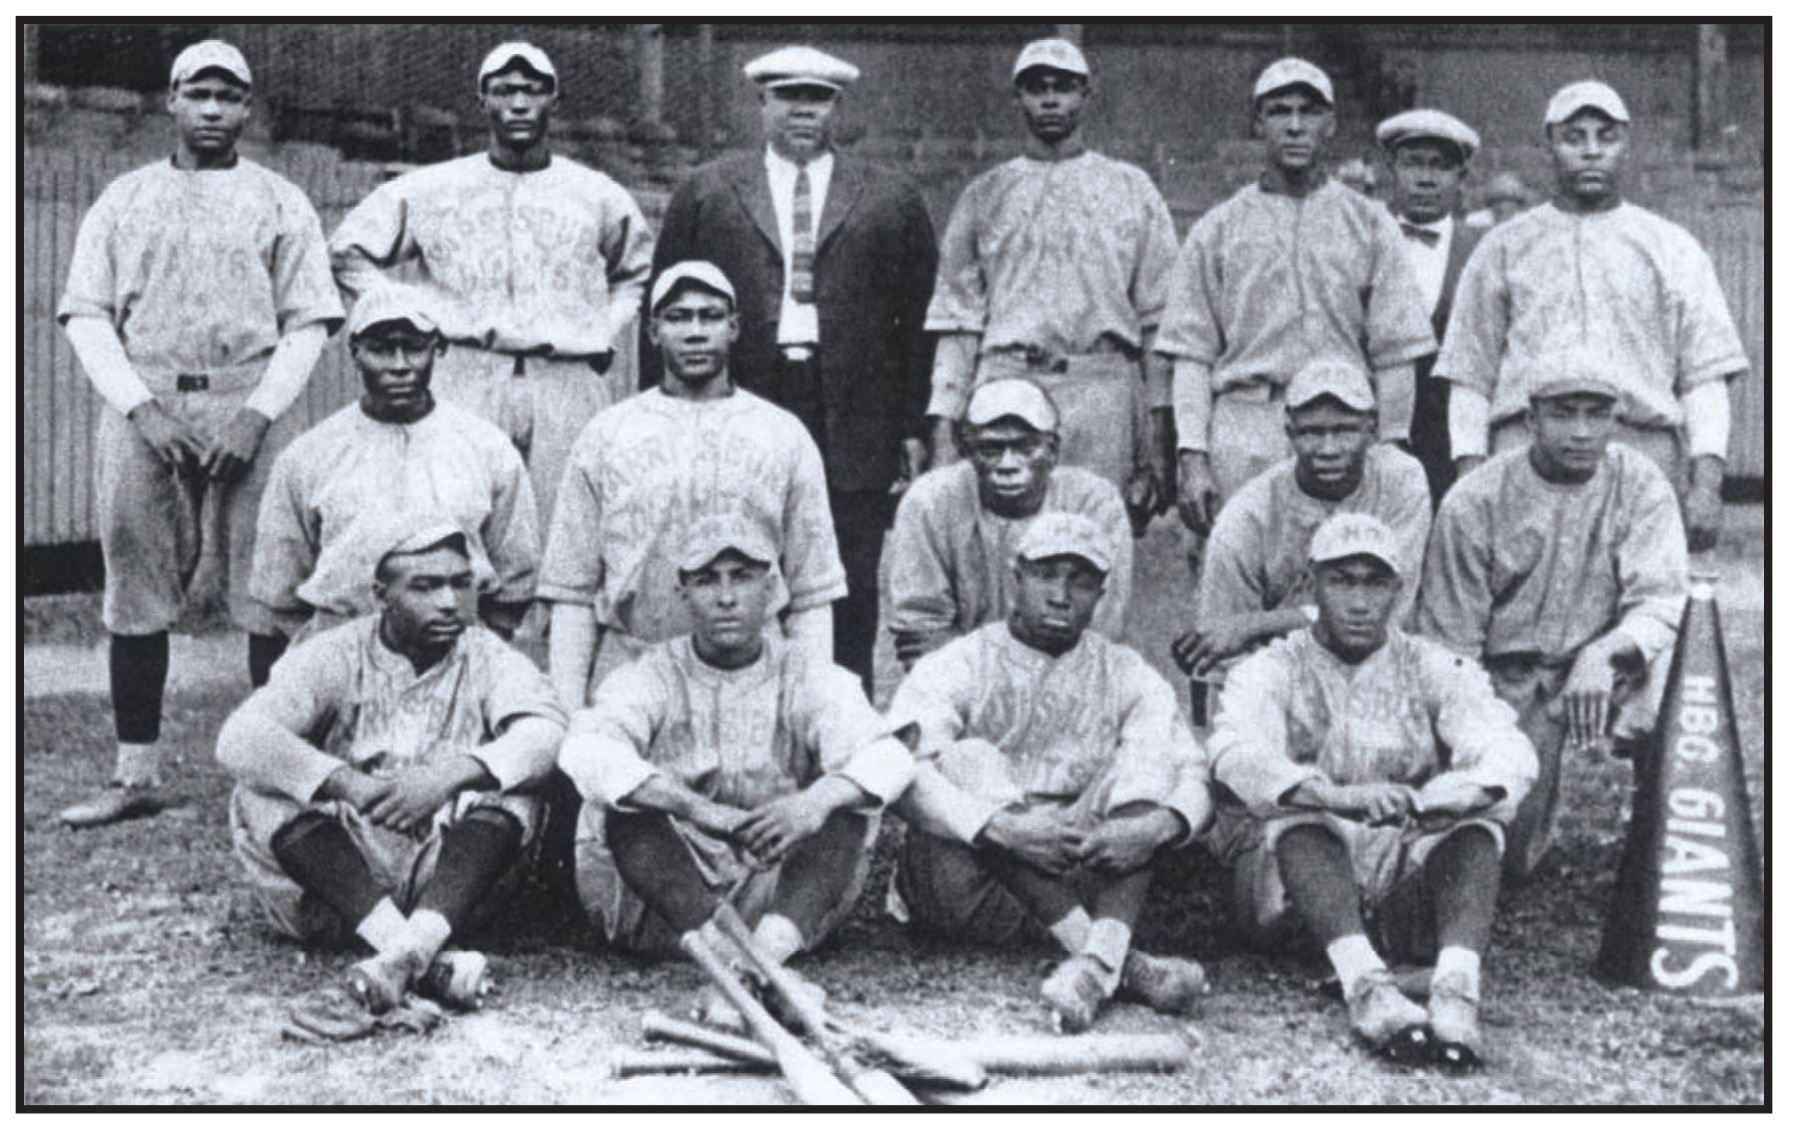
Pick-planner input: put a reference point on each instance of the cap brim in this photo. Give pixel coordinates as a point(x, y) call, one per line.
point(789, 82)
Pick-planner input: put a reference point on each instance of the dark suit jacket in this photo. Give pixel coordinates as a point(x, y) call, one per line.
point(1429, 427)
point(875, 269)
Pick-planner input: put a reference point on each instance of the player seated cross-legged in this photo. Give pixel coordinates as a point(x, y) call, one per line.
point(728, 761)
point(381, 784)
point(1053, 766)
point(1366, 769)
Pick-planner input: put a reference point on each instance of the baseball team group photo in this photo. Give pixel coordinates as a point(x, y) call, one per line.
point(1201, 564)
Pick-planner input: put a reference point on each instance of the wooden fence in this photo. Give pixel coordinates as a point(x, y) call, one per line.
point(60, 408)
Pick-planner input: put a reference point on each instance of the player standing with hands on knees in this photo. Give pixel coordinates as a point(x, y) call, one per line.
point(199, 297)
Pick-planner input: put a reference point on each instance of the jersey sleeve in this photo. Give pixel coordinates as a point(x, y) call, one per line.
point(267, 743)
point(514, 689)
point(809, 561)
point(1652, 562)
point(958, 303)
point(1229, 584)
point(1454, 602)
point(1158, 760)
point(371, 239)
point(287, 543)
point(931, 696)
point(605, 753)
point(304, 292)
point(510, 530)
point(1249, 744)
point(573, 569)
point(628, 247)
point(92, 287)
point(1472, 350)
point(1397, 318)
point(1192, 327)
point(1709, 345)
point(1411, 511)
point(1156, 257)
point(851, 738)
point(1479, 731)
point(919, 582)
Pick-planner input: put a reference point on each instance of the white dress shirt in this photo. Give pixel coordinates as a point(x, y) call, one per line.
point(798, 321)
point(1429, 264)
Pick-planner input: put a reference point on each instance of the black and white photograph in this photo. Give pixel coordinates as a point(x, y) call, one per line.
point(936, 563)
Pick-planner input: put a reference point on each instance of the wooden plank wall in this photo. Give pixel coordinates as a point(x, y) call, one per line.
point(60, 410)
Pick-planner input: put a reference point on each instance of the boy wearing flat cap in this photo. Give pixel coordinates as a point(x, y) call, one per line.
point(1590, 270)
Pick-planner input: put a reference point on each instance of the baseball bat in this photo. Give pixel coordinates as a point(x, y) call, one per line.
point(876, 1086)
point(810, 1079)
point(677, 1062)
point(658, 1026)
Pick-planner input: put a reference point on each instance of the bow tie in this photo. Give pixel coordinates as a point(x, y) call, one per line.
point(1428, 237)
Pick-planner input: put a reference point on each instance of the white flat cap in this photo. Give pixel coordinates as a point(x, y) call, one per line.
point(390, 303)
point(1347, 535)
point(1416, 125)
point(209, 55)
point(1293, 72)
point(801, 66)
point(1329, 377)
point(1569, 100)
point(1059, 534)
point(506, 54)
point(1055, 54)
point(695, 271)
point(1012, 396)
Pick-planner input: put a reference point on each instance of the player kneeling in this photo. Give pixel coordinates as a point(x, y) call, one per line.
point(1053, 767)
point(380, 785)
point(725, 764)
point(1377, 770)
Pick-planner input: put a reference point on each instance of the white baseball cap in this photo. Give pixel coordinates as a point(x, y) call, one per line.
point(697, 271)
point(1347, 535)
point(801, 66)
point(1012, 396)
point(391, 303)
point(1331, 377)
point(1415, 125)
point(1055, 54)
point(1569, 100)
point(1294, 72)
point(209, 55)
point(1060, 534)
point(414, 534)
point(1572, 369)
point(718, 534)
point(505, 54)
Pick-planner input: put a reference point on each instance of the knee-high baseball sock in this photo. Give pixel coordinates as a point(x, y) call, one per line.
point(816, 874)
point(659, 867)
point(137, 670)
point(1463, 874)
point(475, 852)
point(1319, 878)
point(264, 651)
point(320, 856)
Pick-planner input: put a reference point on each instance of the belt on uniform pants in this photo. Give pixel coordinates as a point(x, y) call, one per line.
point(1255, 391)
point(1048, 361)
point(192, 382)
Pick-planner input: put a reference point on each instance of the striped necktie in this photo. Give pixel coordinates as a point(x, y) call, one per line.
point(804, 242)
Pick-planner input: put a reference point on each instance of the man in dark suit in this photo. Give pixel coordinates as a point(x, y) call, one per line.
point(833, 263)
point(1428, 152)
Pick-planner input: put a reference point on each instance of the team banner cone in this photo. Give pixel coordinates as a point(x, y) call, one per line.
point(1688, 914)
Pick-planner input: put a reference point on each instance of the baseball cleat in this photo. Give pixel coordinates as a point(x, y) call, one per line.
point(1165, 985)
point(1074, 992)
point(1392, 1024)
point(457, 978)
point(119, 802)
point(381, 982)
point(1454, 1020)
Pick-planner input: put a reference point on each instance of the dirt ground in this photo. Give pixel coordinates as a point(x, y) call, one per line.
point(148, 976)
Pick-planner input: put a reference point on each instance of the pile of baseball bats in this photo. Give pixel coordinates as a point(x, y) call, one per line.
point(831, 1064)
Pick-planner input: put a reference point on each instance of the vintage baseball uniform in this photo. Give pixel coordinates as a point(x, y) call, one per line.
point(1623, 283)
point(1258, 555)
point(1413, 712)
point(740, 738)
point(1086, 732)
point(200, 272)
point(344, 697)
point(532, 275)
point(336, 491)
point(644, 471)
point(952, 559)
point(1061, 267)
point(1266, 282)
point(1521, 573)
